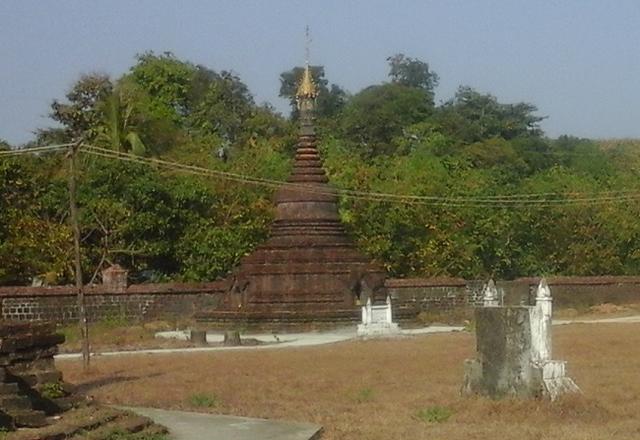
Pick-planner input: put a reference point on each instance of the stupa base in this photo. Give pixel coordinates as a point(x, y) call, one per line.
point(290, 320)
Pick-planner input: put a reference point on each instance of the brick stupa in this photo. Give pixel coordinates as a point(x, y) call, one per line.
point(308, 271)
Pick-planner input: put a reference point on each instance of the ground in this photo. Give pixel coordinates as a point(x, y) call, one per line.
point(386, 389)
point(118, 334)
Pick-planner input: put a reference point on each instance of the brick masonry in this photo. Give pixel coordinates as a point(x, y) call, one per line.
point(133, 303)
point(182, 300)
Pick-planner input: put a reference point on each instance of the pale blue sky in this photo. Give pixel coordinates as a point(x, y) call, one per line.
point(577, 60)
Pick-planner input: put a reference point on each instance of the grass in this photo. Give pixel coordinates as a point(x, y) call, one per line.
point(52, 390)
point(117, 334)
point(406, 378)
point(363, 395)
point(200, 400)
point(121, 435)
point(434, 414)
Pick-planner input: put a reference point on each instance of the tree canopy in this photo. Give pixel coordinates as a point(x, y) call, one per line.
point(575, 213)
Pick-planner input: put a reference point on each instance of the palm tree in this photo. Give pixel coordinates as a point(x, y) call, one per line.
point(118, 131)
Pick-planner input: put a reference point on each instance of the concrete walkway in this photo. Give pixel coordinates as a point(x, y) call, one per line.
point(285, 340)
point(293, 340)
point(623, 320)
point(196, 426)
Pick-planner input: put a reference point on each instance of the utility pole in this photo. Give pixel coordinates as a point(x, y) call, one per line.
point(73, 207)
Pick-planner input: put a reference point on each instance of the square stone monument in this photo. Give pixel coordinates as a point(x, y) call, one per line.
point(514, 351)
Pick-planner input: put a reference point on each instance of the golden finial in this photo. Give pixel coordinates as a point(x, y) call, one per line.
point(307, 87)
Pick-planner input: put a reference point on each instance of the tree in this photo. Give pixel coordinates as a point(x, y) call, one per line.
point(221, 106)
point(166, 80)
point(117, 121)
point(472, 116)
point(331, 99)
point(379, 113)
point(412, 72)
point(30, 244)
point(80, 116)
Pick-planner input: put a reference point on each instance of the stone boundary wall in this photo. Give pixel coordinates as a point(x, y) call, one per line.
point(134, 303)
point(576, 292)
point(182, 300)
point(423, 294)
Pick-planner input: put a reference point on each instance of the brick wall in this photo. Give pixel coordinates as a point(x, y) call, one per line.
point(157, 301)
point(429, 293)
point(577, 292)
point(138, 302)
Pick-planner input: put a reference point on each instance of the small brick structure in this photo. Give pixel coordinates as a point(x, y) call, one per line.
point(115, 277)
point(31, 387)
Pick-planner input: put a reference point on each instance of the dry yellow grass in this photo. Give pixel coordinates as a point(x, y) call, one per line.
point(374, 389)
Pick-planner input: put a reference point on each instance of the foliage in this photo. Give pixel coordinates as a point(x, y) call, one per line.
point(472, 116)
point(52, 390)
point(201, 400)
point(331, 98)
point(391, 138)
point(376, 115)
point(434, 414)
point(412, 72)
point(80, 115)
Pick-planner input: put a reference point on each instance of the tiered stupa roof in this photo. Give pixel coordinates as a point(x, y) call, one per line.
point(308, 270)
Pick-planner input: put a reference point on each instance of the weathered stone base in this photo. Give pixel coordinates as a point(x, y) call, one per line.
point(538, 381)
point(551, 375)
point(378, 330)
point(278, 319)
point(289, 320)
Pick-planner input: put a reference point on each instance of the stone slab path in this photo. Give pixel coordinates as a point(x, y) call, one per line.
point(288, 340)
point(294, 340)
point(196, 426)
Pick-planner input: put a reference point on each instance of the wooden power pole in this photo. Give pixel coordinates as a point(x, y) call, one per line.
point(73, 207)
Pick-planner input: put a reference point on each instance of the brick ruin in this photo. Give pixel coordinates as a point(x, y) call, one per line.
point(31, 388)
point(309, 270)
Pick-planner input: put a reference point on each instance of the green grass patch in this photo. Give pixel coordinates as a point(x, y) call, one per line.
point(52, 390)
point(122, 435)
point(363, 395)
point(434, 414)
point(204, 400)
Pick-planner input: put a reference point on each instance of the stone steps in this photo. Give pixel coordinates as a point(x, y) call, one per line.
point(17, 409)
point(91, 423)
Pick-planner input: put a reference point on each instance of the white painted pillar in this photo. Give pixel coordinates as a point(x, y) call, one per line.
point(369, 319)
point(541, 323)
point(490, 295)
point(389, 317)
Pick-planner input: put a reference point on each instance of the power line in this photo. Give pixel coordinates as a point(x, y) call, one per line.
point(32, 150)
point(549, 199)
point(495, 201)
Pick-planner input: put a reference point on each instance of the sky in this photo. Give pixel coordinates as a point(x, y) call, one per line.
point(578, 61)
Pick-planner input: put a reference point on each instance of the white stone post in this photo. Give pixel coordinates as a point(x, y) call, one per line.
point(369, 318)
point(541, 323)
point(490, 295)
point(389, 312)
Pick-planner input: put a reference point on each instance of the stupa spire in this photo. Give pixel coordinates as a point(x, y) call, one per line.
point(307, 90)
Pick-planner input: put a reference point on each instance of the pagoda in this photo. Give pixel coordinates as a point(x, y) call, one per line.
point(308, 271)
